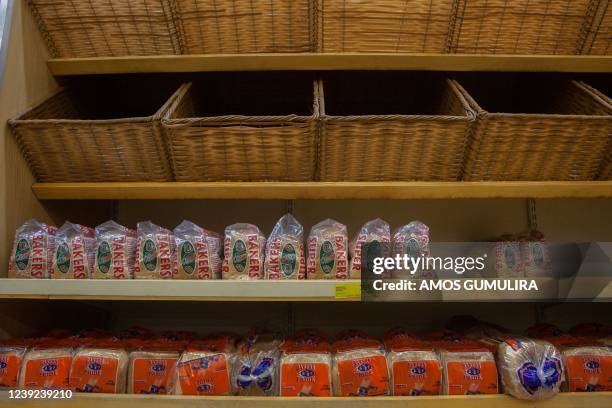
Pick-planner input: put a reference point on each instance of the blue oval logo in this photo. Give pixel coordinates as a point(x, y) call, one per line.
point(473, 371)
point(418, 370)
point(3, 365)
point(592, 365)
point(49, 368)
point(95, 366)
point(158, 368)
point(364, 367)
point(204, 387)
point(307, 373)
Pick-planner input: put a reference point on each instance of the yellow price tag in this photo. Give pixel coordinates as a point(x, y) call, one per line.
point(348, 290)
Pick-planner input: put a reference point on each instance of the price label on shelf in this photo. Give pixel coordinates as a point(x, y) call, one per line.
point(348, 290)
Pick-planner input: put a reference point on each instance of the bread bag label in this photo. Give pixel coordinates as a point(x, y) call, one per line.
point(366, 376)
point(197, 252)
point(305, 380)
point(239, 256)
point(417, 377)
point(47, 373)
point(471, 377)
point(586, 373)
point(284, 255)
point(112, 259)
point(152, 375)
point(9, 370)
point(31, 256)
point(94, 374)
point(207, 375)
point(70, 259)
point(243, 248)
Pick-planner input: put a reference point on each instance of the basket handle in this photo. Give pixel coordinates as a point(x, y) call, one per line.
point(166, 111)
point(469, 100)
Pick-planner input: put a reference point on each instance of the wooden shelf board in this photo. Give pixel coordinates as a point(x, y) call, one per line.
point(328, 61)
point(322, 190)
point(563, 400)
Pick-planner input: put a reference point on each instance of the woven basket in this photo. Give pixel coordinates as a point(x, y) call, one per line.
point(413, 130)
point(77, 28)
point(67, 138)
point(247, 26)
point(519, 26)
point(598, 39)
point(227, 133)
point(564, 135)
point(384, 26)
point(606, 168)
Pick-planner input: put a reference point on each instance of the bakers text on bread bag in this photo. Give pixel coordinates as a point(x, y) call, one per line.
point(412, 240)
point(198, 252)
point(205, 367)
point(73, 255)
point(306, 365)
point(11, 358)
point(256, 372)
point(468, 373)
point(285, 250)
point(414, 366)
point(372, 232)
point(243, 252)
point(327, 251)
point(32, 253)
point(152, 367)
point(359, 365)
point(530, 369)
point(46, 367)
point(115, 251)
point(99, 367)
point(155, 253)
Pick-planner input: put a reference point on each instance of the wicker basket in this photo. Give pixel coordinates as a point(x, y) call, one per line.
point(598, 39)
point(244, 130)
point(412, 129)
point(82, 134)
point(562, 134)
point(520, 26)
point(247, 26)
point(384, 26)
point(606, 168)
point(77, 28)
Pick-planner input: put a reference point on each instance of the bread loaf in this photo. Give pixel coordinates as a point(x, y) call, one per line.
point(73, 257)
point(205, 367)
point(11, 357)
point(32, 253)
point(412, 240)
point(198, 252)
point(508, 259)
point(285, 250)
point(256, 372)
point(151, 371)
point(97, 369)
point(589, 368)
point(243, 252)
point(327, 251)
point(534, 255)
point(156, 252)
point(359, 366)
point(468, 373)
point(372, 232)
point(46, 368)
point(530, 369)
point(115, 251)
point(306, 365)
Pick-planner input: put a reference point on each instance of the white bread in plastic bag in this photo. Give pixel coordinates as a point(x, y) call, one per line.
point(327, 251)
point(256, 372)
point(46, 368)
point(535, 255)
point(198, 252)
point(151, 371)
point(33, 249)
point(468, 373)
point(115, 251)
point(99, 370)
point(11, 359)
point(73, 257)
point(375, 231)
point(155, 252)
point(243, 252)
point(589, 368)
point(412, 240)
point(285, 257)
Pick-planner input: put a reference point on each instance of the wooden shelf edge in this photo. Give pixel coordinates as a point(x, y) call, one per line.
point(322, 190)
point(563, 400)
point(329, 61)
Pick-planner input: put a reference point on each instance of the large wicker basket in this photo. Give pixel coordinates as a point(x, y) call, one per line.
point(77, 28)
point(520, 26)
point(244, 130)
point(606, 168)
point(598, 39)
point(392, 127)
point(384, 26)
point(86, 133)
point(247, 26)
point(544, 130)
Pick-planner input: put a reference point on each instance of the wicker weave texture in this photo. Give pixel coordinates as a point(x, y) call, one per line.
point(397, 147)
point(598, 39)
point(606, 168)
point(384, 26)
point(519, 26)
point(61, 147)
point(239, 147)
point(247, 26)
point(89, 28)
point(569, 144)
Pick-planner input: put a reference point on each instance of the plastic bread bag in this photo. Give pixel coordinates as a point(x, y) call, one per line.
point(198, 252)
point(243, 252)
point(205, 367)
point(530, 369)
point(306, 365)
point(359, 366)
point(115, 251)
point(327, 251)
point(534, 255)
point(156, 252)
point(468, 372)
point(507, 257)
point(46, 367)
point(285, 250)
point(73, 257)
point(152, 367)
point(32, 253)
point(372, 232)
point(100, 367)
point(12, 353)
point(412, 240)
point(414, 366)
point(256, 372)
point(589, 368)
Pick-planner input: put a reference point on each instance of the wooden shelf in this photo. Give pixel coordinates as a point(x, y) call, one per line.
point(322, 190)
point(344, 61)
point(564, 400)
point(217, 290)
